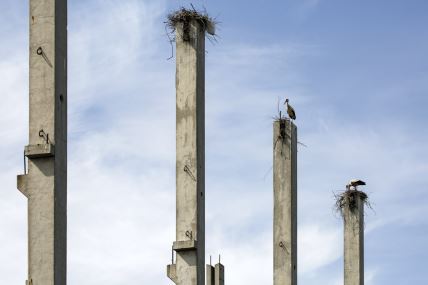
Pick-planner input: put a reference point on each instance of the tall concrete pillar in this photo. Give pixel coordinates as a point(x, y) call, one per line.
point(219, 274)
point(215, 275)
point(285, 203)
point(353, 216)
point(189, 246)
point(210, 272)
point(45, 183)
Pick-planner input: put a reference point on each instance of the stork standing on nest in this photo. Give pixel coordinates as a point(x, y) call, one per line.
point(290, 110)
point(354, 183)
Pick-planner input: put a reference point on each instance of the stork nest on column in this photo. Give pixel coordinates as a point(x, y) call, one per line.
point(185, 16)
point(349, 197)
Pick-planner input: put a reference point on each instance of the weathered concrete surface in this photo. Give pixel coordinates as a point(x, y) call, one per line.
point(219, 274)
point(171, 272)
point(190, 155)
point(210, 273)
point(45, 185)
point(353, 215)
point(285, 203)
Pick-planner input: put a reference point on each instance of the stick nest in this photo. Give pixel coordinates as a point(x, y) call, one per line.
point(185, 16)
point(349, 197)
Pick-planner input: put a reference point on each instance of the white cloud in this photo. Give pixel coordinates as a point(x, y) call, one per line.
point(14, 100)
point(120, 219)
point(13, 120)
point(369, 276)
point(318, 247)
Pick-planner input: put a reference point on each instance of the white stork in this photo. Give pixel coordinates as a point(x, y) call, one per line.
point(354, 183)
point(290, 110)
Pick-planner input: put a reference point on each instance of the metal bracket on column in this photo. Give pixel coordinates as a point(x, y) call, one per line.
point(39, 150)
point(185, 245)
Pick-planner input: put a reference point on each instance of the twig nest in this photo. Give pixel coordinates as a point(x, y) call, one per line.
point(349, 198)
point(185, 16)
point(211, 28)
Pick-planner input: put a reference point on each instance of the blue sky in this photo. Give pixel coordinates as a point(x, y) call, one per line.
point(355, 71)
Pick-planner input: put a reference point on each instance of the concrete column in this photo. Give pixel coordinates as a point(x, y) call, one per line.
point(353, 216)
point(285, 203)
point(45, 184)
point(210, 274)
point(219, 274)
point(190, 155)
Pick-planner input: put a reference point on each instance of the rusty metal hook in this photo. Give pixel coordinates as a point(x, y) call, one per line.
point(282, 245)
point(44, 135)
point(189, 234)
point(189, 172)
point(42, 53)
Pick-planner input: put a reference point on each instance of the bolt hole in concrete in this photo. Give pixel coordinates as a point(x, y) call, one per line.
point(61, 98)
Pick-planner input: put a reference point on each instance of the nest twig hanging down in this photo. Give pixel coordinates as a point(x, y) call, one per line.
point(349, 197)
point(185, 16)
